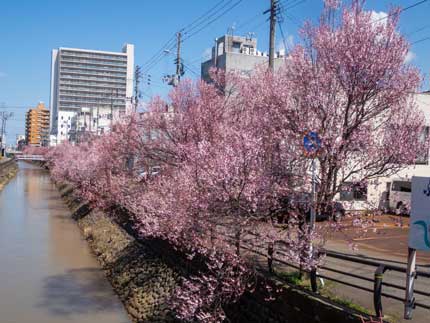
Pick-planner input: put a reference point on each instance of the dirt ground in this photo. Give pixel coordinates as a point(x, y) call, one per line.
point(384, 236)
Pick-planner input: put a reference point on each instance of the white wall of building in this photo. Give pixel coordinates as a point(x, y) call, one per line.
point(84, 81)
point(64, 122)
point(129, 50)
point(54, 90)
point(376, 191)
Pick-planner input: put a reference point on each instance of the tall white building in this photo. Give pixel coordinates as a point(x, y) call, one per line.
point(89, 90)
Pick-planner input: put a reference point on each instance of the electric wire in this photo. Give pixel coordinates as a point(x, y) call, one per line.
point(213, 20)
point(404, 9)
point(209, 17)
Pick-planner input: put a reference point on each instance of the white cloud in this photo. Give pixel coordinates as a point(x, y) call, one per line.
point(289, 43)
point(410, 56)
point(379, 17)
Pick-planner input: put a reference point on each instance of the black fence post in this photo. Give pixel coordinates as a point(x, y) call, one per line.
point(270, 257)
point(313, 277)
point(237, 236)
point(377, 290)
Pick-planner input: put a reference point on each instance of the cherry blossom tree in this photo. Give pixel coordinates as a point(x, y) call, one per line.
point(351, 86)
point(208, 169)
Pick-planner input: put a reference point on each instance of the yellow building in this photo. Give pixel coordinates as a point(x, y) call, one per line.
point(37, 126)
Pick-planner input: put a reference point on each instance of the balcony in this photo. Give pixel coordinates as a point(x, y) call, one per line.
point(94, 54)
point(95, 66)
point(92, 79)
point(89, 72)
point(92, 60)
point(98, 85)
point(84, 91)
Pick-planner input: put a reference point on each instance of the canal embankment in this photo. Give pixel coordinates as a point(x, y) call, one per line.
point(8, 170)
point(48, 273)
point(145, 274)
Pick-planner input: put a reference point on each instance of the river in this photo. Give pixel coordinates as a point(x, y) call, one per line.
point(47, 271)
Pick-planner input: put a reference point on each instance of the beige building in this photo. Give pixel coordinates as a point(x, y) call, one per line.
point(37, 126)
point(239, 54)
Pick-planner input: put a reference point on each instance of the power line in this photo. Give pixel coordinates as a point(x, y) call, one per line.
point(170, 44)
point(413, 5)
point(214, 19)
point(208, 17)
point(290, 5)
point(283, 36)
point(204, 15)
point(420, 40)
point(418, 30)
point(9, 107)
point(191, 70)
point(404, 9)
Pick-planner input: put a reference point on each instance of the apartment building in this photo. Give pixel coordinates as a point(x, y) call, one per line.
point(90, 89)
point(37, 126)
point(237, 53)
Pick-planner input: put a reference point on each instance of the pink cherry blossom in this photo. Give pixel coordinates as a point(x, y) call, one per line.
point(217, 168)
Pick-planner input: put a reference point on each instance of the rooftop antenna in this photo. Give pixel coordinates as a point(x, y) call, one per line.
point(231, 29)
point(250, 35)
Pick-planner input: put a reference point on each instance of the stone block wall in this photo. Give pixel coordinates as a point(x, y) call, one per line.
point(144, 274)
point(8, 169)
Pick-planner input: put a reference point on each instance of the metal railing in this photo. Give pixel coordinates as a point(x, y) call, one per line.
point(31, 157)
point(378, 281)
point(269, 252)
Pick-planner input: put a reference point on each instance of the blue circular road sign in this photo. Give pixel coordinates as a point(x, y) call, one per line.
point(311, 142)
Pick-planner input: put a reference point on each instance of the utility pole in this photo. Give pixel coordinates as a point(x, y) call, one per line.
point(137, 77)
point(4, 116)
point(178, 58)
point(273, 12)
point(97, 120)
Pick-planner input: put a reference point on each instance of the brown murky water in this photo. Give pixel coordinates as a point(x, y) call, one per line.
point(47, 273)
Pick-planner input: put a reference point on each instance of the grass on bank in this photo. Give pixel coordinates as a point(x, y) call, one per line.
point(302, 280)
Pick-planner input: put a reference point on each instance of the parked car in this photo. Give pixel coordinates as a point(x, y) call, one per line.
point(300, 203)
point(399, 196)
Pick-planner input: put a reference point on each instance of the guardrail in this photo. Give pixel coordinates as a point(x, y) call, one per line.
point(31, 157)
point(380, 268)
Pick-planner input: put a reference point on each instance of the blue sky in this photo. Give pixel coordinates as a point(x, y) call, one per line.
point(30, 29)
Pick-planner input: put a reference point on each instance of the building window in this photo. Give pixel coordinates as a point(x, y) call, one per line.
point(236, 47)
point(401, 186)
point(353, 192)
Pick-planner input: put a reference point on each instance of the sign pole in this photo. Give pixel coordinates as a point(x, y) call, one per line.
point(410, 280)
point(313, 216)
point(312, 144)
point(419, 239)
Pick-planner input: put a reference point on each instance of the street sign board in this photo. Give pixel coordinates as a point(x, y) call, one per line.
point(419, 228)
point(311, 142)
